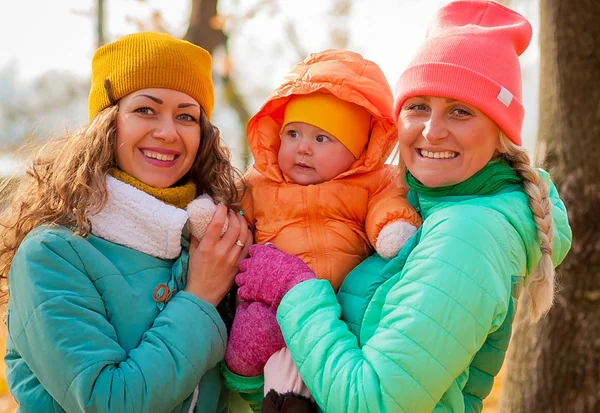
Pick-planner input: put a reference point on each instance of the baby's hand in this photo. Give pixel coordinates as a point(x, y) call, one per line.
point(255, 336)
point(200, 212)
point(268, 274)
point(392, 238)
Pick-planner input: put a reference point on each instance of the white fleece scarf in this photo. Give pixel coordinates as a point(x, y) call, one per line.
point(139, 221)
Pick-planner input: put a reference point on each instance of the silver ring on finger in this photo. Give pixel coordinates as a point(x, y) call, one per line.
point(239, 243)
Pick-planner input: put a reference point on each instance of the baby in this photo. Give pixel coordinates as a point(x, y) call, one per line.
point(319, 188)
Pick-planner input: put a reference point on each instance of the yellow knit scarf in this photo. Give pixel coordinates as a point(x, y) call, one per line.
point(178, 196)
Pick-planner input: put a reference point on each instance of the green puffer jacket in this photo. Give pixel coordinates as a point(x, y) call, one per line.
point(85, 333)
point(406, 334)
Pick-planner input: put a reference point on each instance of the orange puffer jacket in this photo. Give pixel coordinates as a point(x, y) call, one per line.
point(331, 226)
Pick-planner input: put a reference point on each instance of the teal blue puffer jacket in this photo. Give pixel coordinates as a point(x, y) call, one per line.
point(85, 334)
point(421, 318)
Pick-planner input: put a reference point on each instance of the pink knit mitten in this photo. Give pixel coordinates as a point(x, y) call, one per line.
point(268, 274)
point(200, 212)
point(255, 336)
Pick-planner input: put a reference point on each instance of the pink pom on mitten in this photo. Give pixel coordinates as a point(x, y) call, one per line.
point(255, 336)
point(268, 274)
point(200, 212)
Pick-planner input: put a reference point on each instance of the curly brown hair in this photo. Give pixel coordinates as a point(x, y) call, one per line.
point(66, 183)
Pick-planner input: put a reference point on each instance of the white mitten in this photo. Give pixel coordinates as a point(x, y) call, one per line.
point(200, 212)
point(392, 238)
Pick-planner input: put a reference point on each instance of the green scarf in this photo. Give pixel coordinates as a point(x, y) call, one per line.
point(493, 177)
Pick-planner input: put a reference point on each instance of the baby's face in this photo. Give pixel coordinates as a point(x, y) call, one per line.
point(309, 155)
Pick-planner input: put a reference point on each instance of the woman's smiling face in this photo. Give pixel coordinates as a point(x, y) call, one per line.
point(445, 141)
point(158, 135)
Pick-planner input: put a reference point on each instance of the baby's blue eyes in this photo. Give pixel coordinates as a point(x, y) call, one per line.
point(319, 138)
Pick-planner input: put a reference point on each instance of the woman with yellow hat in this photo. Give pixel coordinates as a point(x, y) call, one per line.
point(111, 308)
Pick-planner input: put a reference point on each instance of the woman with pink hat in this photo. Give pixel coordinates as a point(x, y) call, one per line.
point(428, 330)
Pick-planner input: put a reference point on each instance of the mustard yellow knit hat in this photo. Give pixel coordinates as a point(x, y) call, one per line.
point(347, 122)
point(150, 60)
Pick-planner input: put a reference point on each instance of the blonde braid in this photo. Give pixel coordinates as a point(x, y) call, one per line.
point(540, 285)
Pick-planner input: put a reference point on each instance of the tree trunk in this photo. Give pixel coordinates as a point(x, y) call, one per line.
point(554, 366)
point(202, 32)
point(99, 23)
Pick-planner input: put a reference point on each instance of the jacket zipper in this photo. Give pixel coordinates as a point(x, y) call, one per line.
point(314, 223)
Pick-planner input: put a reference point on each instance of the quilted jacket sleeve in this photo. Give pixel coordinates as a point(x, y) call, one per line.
point(388, 204)
point(59, 326)
point(426, 322)
point(489, 359)
point(250, 389)
point(248, 199)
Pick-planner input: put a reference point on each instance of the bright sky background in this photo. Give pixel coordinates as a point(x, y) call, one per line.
point(60, 34)
point(42, 35)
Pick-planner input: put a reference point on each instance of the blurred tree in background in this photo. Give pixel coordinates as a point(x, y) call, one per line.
point(40, 108)
point(554, 366)
point(206, 30)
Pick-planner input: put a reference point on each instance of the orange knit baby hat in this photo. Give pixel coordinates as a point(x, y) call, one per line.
point(347, 122)
point(471, 53)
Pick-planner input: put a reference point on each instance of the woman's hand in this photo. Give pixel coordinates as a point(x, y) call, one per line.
point(269, 274)
point(214, 260)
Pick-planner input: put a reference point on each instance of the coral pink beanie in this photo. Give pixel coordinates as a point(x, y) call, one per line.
point(471, 53)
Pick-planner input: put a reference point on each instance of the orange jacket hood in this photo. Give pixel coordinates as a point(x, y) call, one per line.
point(349, 77)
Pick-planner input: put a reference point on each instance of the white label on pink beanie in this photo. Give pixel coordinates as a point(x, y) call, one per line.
point(505, 96)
